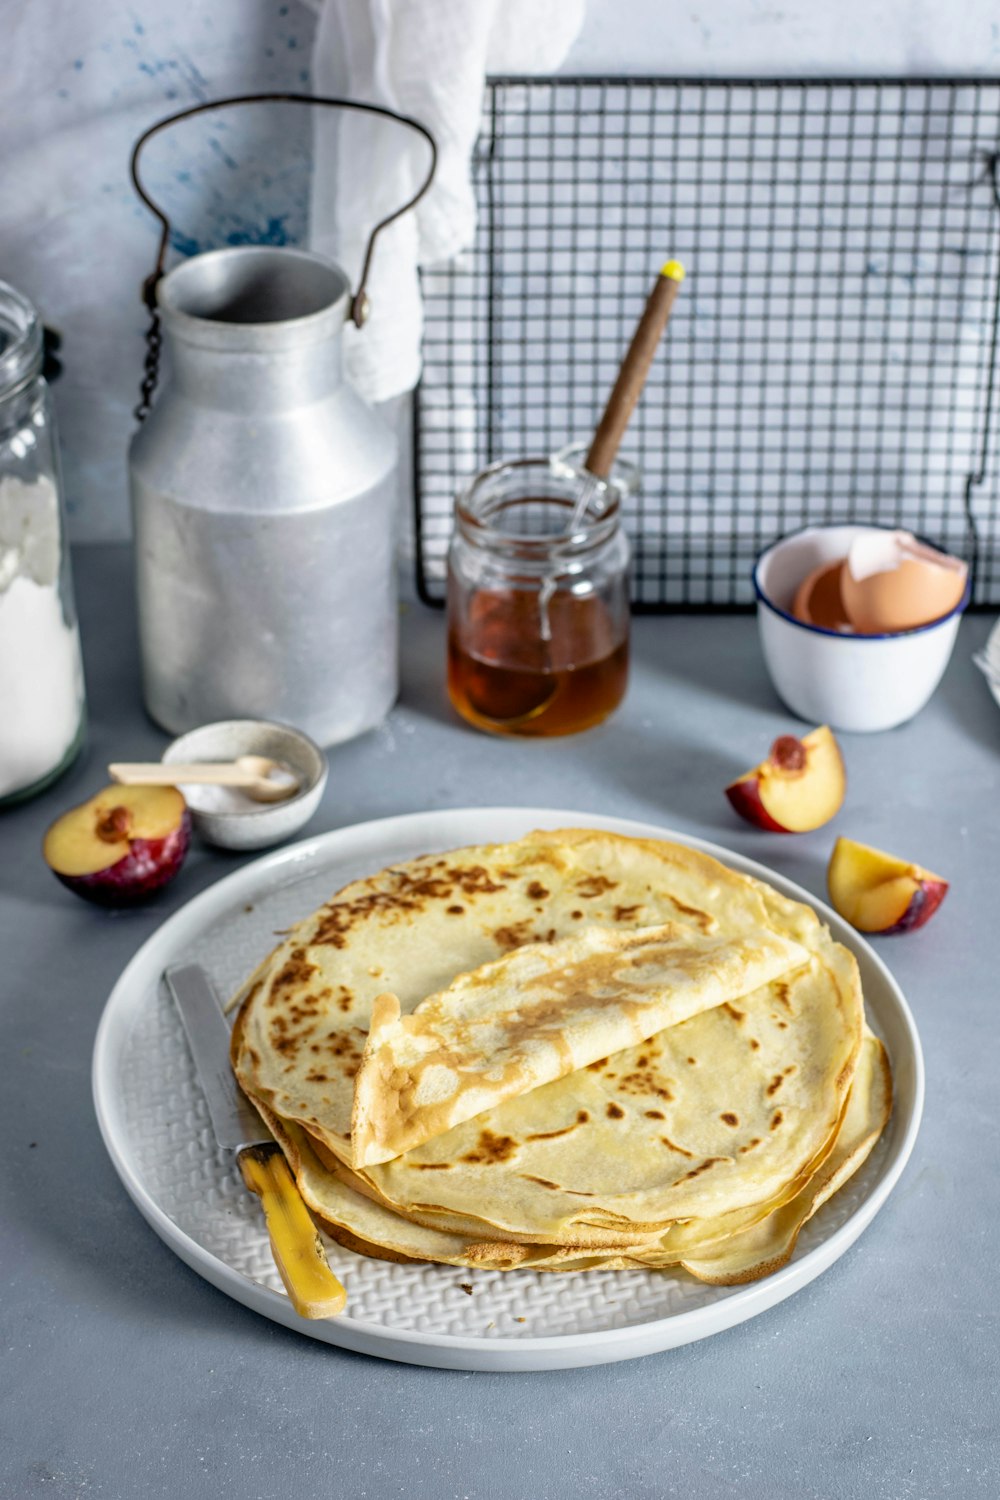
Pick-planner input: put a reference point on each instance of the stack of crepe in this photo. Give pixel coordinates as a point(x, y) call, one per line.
point(574, 1051)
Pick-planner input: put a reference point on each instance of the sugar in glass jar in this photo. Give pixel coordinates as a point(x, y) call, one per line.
point(41, 674)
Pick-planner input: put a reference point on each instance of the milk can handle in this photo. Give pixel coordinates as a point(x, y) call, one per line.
point(359, 301)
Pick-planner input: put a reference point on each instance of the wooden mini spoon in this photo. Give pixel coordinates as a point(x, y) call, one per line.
point(253, 774)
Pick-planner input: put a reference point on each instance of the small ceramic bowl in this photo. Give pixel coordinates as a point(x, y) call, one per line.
point(853, 682)
point(251, 825)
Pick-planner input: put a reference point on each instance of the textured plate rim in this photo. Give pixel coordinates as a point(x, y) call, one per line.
point(992, 649)
point(466, 1351)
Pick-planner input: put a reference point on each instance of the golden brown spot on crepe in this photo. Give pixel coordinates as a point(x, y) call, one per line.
point(782, 1025)
point(430, 1166)
point(491, 1149)
point(582, 1117)
point(455, 911)
point(781, 994)
point(550, 1135)
point(294, 973)
point(751, 1145)
point(405, 891)
point(729, 1118)
point(514, 936)
point(697, 1171)
point(645, 1081)
point(531, 1017)
point(779, 1078)
point(704, 921)
point(693, 1062)
point(591, 886)
point(776, 1119)
point(341, 1045)
point(542, 1181)
point(537, 891)
point(754, 1044)
point(475, 880)
point(595, 1067)
point(655, 1114)
point(737, 1015)
point(315, 1076)
point(626, 913)
point(576, 915)
point(674, 1147)
point(615, 1112)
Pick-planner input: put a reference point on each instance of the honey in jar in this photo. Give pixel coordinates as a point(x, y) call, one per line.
point(538, 617)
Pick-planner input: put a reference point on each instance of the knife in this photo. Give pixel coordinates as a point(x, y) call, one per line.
point(298, 1252)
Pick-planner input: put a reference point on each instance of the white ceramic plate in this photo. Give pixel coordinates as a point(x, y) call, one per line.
point(156, 1129)
point(992, 652)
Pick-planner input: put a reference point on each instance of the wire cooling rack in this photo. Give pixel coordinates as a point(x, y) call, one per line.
point(832, 354)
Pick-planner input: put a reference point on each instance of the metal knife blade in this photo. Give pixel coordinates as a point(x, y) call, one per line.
point(235, 1121)
point(298, 1251)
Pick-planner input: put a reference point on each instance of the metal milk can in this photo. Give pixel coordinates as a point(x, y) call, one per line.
point(263, 496)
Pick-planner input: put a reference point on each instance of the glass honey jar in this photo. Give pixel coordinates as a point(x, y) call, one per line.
point(538, 603)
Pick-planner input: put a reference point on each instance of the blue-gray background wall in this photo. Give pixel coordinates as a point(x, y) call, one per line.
point(82, 78)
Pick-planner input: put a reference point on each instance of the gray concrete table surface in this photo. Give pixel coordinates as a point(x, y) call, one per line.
point(127, 1376)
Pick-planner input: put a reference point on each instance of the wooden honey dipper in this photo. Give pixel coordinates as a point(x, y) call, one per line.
point(628, 387)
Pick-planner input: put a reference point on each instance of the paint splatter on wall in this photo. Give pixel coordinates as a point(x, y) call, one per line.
point(82, 80)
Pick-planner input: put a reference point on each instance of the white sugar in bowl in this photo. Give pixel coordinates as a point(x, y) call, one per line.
point(858, 683)
point(227, 817)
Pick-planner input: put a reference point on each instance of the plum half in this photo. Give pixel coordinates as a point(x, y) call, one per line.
point(120, 846)
point(799, 787)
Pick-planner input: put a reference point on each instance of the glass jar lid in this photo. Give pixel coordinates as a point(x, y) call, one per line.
point(20, 341)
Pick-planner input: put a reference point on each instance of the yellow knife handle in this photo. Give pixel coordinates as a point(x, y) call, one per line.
point(298, 1252)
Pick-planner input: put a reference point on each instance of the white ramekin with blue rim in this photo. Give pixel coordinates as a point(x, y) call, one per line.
point(858, 683)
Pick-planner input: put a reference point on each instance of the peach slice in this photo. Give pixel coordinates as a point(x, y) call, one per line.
point(876, 892)
point(799, 787)
point(122, 845)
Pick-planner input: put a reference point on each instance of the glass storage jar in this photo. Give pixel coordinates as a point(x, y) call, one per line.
point(538, 608)
point(41, 673)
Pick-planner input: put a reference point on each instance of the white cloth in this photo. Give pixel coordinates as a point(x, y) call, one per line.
point(428, 59)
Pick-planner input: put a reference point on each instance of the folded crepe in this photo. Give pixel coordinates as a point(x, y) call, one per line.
point(725, 1250)
point(722, 1119)
point(722, 1112)
point(413, 927)
point(539, 1013)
